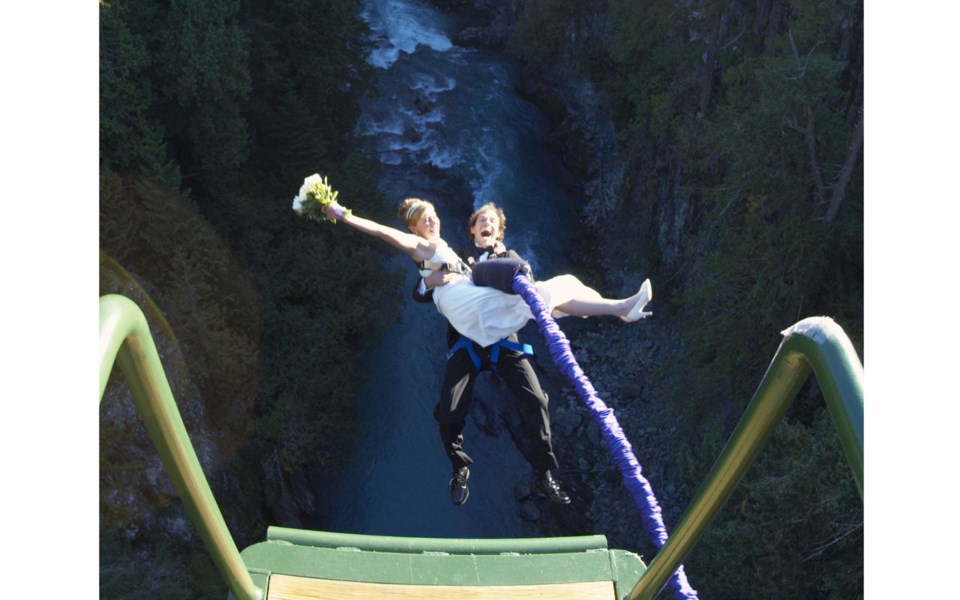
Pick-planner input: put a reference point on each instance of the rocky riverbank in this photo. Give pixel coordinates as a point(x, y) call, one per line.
point(622, 362)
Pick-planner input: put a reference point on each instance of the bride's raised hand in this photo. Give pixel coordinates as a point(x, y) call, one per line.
point(334, 211)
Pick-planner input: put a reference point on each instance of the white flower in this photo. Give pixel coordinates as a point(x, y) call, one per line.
point(308, 183)
point(315, 194)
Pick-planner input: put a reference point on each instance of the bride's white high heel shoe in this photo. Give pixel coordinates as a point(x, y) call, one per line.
point(646, 295)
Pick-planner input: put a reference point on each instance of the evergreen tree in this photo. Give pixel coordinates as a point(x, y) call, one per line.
point(201, 60)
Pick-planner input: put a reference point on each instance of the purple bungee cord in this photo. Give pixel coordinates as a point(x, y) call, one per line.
point(620, 450)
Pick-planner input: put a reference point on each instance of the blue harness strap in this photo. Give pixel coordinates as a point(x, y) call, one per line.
point(525, 349)
point(467, 344)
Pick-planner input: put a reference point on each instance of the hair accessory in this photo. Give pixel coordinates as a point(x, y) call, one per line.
point(412, 209)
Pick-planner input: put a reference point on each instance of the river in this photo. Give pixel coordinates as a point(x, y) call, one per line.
point(448, 127)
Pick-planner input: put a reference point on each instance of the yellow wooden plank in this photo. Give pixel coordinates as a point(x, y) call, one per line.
point(286, 587)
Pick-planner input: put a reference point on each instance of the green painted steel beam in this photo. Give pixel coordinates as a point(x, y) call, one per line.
point(442, 561)
point(125, 338)
point(816, 344)
point(378, 543)
point(429, 568)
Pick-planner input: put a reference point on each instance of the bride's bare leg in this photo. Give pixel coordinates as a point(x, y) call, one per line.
point(595, 308)
point(589, 305)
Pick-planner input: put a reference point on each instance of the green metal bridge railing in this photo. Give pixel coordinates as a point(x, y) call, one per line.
point(125, 338)
point(816, 344)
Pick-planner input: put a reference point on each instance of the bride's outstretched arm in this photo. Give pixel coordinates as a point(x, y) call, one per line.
point(415, 246)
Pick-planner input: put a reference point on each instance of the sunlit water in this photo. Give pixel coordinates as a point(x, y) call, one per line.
point(446, 127)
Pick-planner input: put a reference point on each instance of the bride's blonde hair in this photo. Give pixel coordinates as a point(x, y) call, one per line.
point(412, 209)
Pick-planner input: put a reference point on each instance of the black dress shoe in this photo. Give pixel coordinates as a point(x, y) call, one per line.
point(459, 492)
point(549, 486)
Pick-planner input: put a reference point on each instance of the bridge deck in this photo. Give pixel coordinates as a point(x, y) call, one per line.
point(285, 587)
point(295, 564)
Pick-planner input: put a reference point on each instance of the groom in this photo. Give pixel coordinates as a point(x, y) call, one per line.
point(506, 358)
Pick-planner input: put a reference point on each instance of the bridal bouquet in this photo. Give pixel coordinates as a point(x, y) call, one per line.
point(315, 193)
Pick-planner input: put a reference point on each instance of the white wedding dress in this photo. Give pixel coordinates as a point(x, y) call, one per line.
point(485, 314)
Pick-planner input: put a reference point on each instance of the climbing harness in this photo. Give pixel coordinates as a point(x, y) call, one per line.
point(457, 267)
point(525, 349)
point(467, 344)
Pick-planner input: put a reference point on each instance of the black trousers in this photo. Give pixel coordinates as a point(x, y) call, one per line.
point(517, 373)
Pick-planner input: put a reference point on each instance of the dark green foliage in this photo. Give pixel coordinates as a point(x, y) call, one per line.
point(206, 296)
point(160, 572)
point(174, 81)
point(541, 31)
point(793, 528)
point(202, 309)
point(319, 303)
point(307, 71)
point(204, 80)
point(764, 253)
point(741, 128)
point(261, 313)
point(129, 137)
